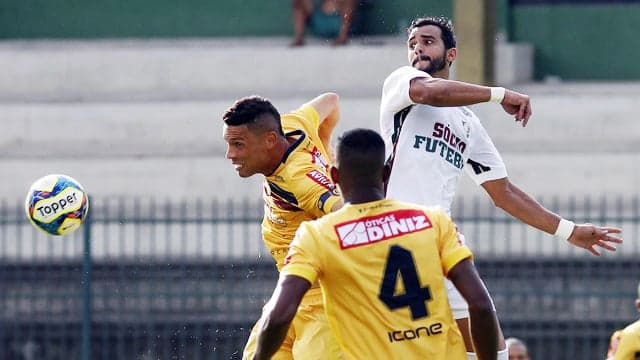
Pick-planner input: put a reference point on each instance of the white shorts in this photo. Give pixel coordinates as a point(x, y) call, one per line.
point(459, 307)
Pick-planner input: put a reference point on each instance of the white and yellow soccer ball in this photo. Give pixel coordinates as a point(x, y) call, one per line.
point(57, 204)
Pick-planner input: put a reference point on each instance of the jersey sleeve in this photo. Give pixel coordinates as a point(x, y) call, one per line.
point(613, 344)
point(451, 249)
point(484, 162)
point(317, 193)
point(628, 343)
point(308, 120)
point(311, 119)
point(302, 259)
point(395, 91)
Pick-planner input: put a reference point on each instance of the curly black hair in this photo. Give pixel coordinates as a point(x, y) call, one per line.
point(445, 25)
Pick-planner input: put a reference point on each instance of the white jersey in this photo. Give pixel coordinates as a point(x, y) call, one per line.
point(428, 146)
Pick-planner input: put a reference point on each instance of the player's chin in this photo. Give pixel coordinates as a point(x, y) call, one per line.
point(422, 65)
point(244, 174)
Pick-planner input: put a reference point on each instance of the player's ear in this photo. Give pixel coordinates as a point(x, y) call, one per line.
point(333, 172)
point(451, 55)
point(638, 304)
point(270, 138)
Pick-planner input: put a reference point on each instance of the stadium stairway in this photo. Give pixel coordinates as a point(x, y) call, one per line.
point(142, 118)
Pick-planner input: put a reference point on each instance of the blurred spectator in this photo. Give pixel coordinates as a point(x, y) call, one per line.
point(625, 343)
point(517, 349)
point(324, 18)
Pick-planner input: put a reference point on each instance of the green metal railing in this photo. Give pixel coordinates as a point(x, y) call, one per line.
point(145, 279)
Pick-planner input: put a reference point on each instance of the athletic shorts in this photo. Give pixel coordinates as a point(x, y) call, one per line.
point(325, 25)
point(459, 307)
point(309, 336)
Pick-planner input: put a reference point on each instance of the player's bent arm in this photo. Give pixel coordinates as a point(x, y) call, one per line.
point(328, 107)
point(443, 92)
point(282, 308)
point(520, 205)
point(482, 318)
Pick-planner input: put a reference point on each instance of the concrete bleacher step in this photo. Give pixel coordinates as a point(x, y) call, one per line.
point(190, 69)
point(143, 117)
point(194, 128)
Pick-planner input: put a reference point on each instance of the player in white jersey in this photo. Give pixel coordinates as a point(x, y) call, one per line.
point(431, 136)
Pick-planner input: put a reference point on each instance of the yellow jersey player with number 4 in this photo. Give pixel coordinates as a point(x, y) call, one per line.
point(381, 265)
point(291, 152)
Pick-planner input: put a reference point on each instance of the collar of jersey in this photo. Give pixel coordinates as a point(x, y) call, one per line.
point(365, 204)
point(294, 145)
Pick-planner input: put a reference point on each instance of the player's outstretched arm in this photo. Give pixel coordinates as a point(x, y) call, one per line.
point(520, 205)
point(328, 107)
point(442, 92)
point(282, 308)
point(482, 318)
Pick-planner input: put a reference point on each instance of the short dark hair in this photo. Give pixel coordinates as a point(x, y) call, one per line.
point(255, 112)
point(360, 154)
point(445, 25)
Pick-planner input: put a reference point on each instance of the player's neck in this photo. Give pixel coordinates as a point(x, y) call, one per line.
point(364, 194)
point(279, 150)
point(442, 74)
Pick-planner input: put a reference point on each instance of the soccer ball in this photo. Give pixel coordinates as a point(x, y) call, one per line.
point(56, 204)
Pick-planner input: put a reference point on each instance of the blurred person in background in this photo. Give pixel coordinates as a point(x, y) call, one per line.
point(625, 343)
point(381, 265)
point(327, 19)
point(431, 137)
point(517, 349)
point(292, 152)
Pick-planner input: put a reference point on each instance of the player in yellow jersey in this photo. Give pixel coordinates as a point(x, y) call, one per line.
point(291, 151)
point(625, 343)
point(381, 265)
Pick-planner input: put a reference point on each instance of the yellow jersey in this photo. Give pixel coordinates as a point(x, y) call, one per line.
point(625, 343)
point(381, 266)
point(300, 188)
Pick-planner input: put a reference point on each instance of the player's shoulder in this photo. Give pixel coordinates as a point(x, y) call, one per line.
point(434, 214)
point(470, 116)
point(297, 172)
point(633, 328)
point(304, 175)
point(329, 220)
point(318, 226)
point(404, 73)
point(303, 118)
point(428, 209)
point(291, 171)
point(407, 70)
point(303, 164)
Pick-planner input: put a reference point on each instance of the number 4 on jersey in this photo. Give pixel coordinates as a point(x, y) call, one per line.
point(400, 263)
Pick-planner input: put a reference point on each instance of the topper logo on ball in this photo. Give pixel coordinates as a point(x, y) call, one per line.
point(69, 200)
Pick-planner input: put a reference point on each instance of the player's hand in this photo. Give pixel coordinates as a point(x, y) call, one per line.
point(588, 236)
point(518, 105)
